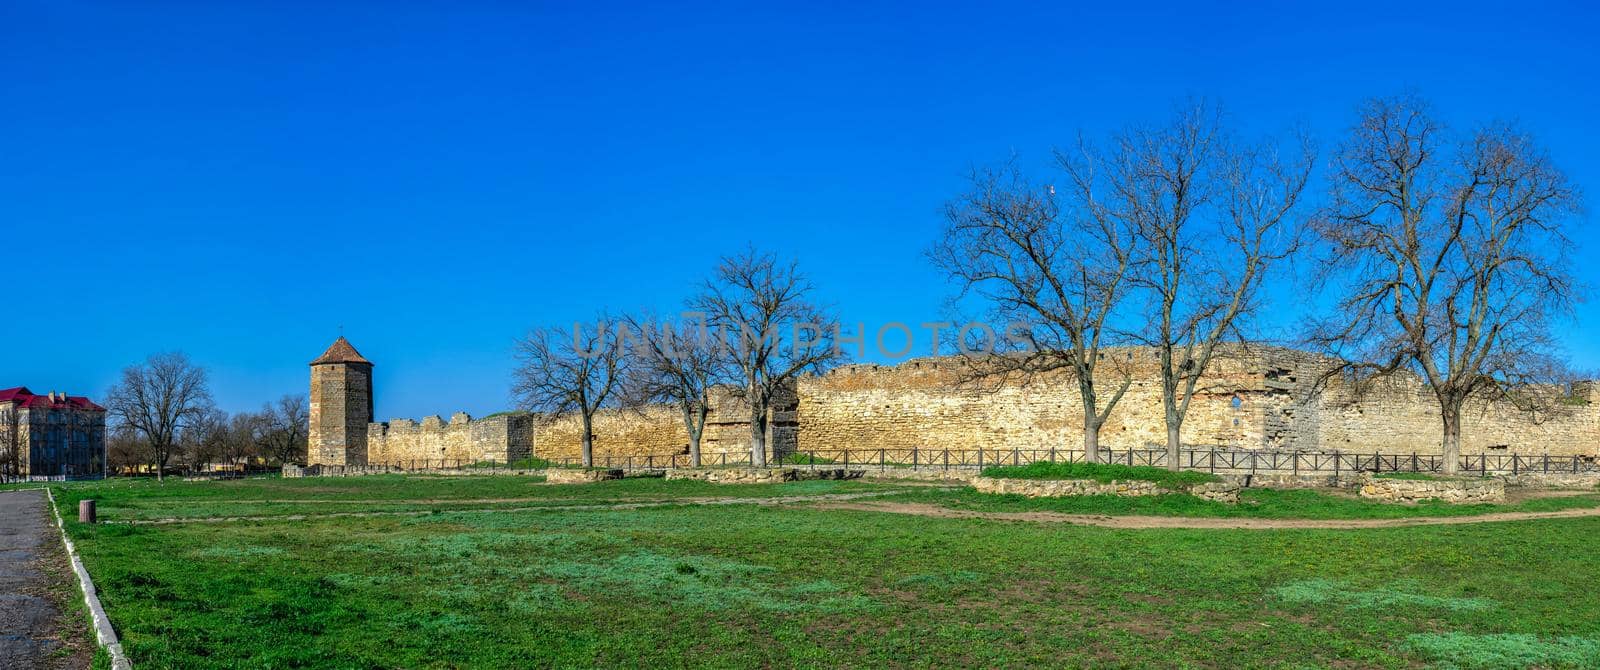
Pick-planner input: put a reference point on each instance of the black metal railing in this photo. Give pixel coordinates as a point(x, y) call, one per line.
point(1219, 460)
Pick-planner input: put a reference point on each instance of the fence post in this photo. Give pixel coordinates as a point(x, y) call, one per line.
point(947, 458)
point(980, 458)
point(913, 458)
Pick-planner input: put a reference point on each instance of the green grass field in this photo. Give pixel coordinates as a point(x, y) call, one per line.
point(1101, 472)
point(464, 584)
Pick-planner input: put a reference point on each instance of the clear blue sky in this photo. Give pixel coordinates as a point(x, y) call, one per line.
point(238, 180)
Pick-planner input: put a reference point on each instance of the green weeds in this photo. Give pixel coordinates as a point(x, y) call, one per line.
point(1101, 472)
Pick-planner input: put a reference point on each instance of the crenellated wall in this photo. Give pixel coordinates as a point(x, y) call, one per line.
point(502, 438)
point(659, 430)
point(1254, 398)
point(935, 403)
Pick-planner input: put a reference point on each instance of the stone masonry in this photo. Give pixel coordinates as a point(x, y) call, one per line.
point(341, 406)
point(1061, 488)
point(503, 438)
point(1451, 490)
point(1254, 398)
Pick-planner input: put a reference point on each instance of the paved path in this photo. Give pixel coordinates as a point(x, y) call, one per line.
point(30, 622)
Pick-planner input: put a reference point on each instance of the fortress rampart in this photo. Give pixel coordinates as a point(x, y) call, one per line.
point(503, 438)
point(1261, 398)
point(1254, 398)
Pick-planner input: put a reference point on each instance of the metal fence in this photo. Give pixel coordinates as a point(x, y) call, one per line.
point(1204, 459)
point(19, 479)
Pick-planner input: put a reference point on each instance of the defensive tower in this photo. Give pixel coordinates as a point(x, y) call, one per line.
point(341, 406)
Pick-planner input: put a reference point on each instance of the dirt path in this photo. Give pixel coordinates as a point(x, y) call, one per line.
point(34, 578)
point(1109, 521)
point(774, 500)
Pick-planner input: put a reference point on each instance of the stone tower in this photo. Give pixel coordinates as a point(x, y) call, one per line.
point(341, 406)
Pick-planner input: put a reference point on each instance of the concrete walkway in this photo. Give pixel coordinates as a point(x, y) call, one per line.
point(32, 561)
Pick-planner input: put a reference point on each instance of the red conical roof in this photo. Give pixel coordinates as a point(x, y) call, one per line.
point(340, 352)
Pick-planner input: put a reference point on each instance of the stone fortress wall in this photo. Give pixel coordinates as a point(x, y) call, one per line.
point(660, 431)
point(1256, 398)
point(501, 438)
point(1259, 397)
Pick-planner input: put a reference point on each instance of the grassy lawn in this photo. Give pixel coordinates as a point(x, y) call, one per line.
point(1253, 503)
point(755, 586)
point(1101, 472)
point(140, 499)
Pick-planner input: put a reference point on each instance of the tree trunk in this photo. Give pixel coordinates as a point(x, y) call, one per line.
point(588, 441)
point(1091, 440)
point(1450, 447)
point(694, 423)
point(758, 435)
point(1174, 443)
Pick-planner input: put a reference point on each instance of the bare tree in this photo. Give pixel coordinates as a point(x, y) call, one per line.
point(1450, 255)
point(560, 374)
point(158, 398)
point(677, 364)
point(125, 449)
point(246, 441)
point(777, 331)
point(1062, 273)
point(204, 440)
point(13, 441)
point(285, 427)
point(1211, 217)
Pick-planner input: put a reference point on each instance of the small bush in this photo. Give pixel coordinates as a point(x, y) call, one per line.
point(1102, 473)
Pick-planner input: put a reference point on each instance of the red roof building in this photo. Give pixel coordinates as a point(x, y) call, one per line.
point(54, 435)
point(22, 397)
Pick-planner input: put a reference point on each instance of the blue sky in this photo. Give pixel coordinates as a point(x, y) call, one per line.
point(239, 180)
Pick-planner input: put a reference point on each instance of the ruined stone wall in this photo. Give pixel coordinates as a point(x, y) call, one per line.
point(656, 431)
point(931, 404)
point(501, 439)
point(1255, 398)
point(1402, 416)
point(660, 431)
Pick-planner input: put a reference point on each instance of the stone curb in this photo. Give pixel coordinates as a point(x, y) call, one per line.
point(103, 632)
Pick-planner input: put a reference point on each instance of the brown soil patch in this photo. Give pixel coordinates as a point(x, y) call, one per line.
point(1143, 522)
